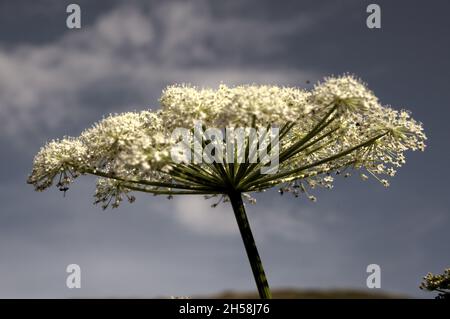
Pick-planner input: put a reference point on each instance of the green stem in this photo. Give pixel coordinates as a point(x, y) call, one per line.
point(250, 245)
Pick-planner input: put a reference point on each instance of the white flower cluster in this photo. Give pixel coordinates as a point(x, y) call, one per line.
point(338, 126)
point(232, 106)
point(58, 158)
point(347, 90)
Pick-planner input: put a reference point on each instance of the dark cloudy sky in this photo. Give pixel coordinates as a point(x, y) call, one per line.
point(55, 82)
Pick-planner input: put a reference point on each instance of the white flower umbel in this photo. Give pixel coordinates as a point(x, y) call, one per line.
point(336, 127)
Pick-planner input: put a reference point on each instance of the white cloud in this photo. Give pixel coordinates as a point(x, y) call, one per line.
point(197, 215)
point(131, 51)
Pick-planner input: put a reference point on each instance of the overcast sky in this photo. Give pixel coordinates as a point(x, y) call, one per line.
point(55, 82)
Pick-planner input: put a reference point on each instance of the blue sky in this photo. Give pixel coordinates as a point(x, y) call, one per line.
point(55, 82)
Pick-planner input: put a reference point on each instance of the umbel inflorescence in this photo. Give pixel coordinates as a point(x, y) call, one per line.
point(439, 283)
point(336, 127)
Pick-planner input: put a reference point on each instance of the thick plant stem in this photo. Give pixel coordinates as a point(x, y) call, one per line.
point(250, 245)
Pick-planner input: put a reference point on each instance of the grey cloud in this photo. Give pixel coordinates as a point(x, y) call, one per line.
point(116, 62)
point(196, 214)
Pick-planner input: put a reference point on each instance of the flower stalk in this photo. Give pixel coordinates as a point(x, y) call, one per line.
point(250, 245)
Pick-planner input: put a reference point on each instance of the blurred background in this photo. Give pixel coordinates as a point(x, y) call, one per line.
point(55, 82)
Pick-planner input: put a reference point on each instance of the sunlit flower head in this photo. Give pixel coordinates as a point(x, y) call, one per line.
point(337, 127)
